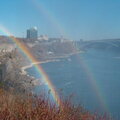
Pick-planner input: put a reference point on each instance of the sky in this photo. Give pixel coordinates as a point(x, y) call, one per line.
point(73, 19)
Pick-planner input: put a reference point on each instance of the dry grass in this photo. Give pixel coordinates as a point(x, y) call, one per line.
point(16, 107)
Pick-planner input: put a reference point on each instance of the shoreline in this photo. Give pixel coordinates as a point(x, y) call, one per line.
point(53, 59)
point(36, 81)
point(23, 69)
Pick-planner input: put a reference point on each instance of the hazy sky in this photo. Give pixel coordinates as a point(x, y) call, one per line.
point(75, 19)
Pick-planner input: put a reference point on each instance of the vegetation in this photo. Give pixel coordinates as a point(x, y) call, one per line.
point(14, 77)
point(16, 107)
point(25, 106)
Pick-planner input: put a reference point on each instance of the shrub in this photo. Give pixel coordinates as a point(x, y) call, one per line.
point(29, 107)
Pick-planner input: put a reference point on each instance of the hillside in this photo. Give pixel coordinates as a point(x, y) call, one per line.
point(42, 50)
point(106, 44)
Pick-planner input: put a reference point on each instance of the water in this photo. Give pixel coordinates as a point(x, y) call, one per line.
point(92, 77)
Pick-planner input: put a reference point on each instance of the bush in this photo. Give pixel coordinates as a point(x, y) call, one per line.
point(20, 107)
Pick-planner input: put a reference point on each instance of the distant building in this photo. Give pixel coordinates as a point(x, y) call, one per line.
point(61, 39)
point(32, 33)
point(43, 37)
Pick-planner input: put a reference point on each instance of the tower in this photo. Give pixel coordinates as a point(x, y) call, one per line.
point(32, 33)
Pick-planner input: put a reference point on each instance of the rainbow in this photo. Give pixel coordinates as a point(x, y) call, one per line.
point(45, 77)
point(32, 59)
point(92, 80)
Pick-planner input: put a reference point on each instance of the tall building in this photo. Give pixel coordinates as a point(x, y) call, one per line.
point(32, 33)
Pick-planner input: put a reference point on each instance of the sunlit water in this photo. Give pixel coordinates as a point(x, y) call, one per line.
point(92, 77)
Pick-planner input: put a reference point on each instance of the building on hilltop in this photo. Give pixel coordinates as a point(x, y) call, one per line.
point(32, 33)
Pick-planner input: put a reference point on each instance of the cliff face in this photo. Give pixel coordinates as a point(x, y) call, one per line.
point(2, 72)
